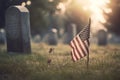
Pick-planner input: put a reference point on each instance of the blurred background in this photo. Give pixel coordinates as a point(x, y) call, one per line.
point(63, 19)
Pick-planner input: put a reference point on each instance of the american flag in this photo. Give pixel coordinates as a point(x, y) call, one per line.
point(80, 44)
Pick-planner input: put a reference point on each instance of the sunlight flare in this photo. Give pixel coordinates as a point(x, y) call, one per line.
point(97, 8)
point(61, 6)
point(23, 4)
point(28, 2)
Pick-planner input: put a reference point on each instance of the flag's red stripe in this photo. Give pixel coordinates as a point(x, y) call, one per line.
point(77, 48)
point(86, 46)
point(87, 43)
point(77, 54)
point(73, 57)
point(83, 46)
point(77, 44)
point(80, 46)
point(74, 51)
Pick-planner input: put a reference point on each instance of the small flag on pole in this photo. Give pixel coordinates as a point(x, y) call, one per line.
point(80, 43)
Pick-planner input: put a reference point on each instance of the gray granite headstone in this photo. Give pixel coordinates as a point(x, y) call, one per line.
point(18, 29)
point(2, 36)
point(71, 32)
point(36, 38)
point(53, 37)
point(102, 37)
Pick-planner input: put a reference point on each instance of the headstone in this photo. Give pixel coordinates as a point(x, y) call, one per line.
point(36, 38)
point(113, 38)
point(18, 29)
point(102, 37)
point(53, 37)
point(2, 36)
point(71, 32)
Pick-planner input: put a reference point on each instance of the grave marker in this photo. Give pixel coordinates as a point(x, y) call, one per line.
point(18, 29)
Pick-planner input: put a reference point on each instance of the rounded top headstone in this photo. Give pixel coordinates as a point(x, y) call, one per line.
point(18, 8)
point(13, 16)
point(102, 37)
point(17, 29)
point(54, 30)
point(102, 31)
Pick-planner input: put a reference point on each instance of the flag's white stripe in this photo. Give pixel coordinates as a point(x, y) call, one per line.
point(73, 52)
point(79, 48)
point(87, 43)
point(76, 53)
point(82, 45)
point(73, 56)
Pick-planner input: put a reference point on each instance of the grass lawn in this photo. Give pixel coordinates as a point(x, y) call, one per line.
point(104, 64)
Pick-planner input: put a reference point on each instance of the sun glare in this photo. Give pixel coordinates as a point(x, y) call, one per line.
point(96, 9)
point(61, 6)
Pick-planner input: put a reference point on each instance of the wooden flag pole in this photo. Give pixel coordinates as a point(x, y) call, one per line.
point(87, 61)
point(88, 45)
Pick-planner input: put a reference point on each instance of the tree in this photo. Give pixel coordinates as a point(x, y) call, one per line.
point(113, 21)
point(75, 14)
point(39, 13)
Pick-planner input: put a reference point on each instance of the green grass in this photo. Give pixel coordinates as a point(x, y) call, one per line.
point(104, 64)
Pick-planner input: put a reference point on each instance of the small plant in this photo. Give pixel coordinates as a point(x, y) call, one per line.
point(104, 64)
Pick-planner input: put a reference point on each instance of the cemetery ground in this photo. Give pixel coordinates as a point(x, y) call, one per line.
point(104, 64)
